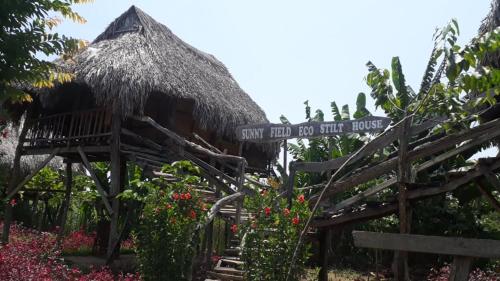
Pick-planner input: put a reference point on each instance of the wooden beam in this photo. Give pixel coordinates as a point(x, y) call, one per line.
point(218, 205)
point(99, 187)
point(417, 194)
point(65, 150)
point(460, 268)
point(493, 180)
point(419, 168)
point(487, 195)
point(371, 172)
point(32, 174)
point(185, 143)
point(455, 246)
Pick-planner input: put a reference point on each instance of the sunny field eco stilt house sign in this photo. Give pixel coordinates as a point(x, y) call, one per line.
point(278, 132)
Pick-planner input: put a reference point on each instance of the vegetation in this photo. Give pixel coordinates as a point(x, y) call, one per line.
point(269, 237)
point(26, 32)
point(166, 235)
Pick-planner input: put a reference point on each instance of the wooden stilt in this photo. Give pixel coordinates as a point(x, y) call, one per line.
point(324, 248)
point(208, 234)
point(66, 203)
point(116, 178)
point(16, 171)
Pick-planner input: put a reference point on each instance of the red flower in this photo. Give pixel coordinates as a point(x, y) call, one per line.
point(296, 220)
point(187, 196)
point(168, 206)
point(215, 259)
point(183, 196)
point(192, 214)
point(267, 210)
point(175, 196)
point(286, 212)
point(301, 198)
point(234, 228)
point(13, 202)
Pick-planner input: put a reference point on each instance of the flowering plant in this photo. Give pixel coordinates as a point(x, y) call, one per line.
point(271, 234)
point(166, 233)
point(30, 255)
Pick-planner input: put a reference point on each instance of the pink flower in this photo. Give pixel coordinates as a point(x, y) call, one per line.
point(301, 198)
point(296, 220)
point(286, 212)
point(13, 202)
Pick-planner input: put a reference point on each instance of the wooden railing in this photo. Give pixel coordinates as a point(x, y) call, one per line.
point(70, 128)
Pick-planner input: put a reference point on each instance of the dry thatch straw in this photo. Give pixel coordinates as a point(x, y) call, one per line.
point(136, 56)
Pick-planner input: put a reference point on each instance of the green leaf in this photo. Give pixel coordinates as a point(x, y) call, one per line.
point(345, 112)
point(398, 79)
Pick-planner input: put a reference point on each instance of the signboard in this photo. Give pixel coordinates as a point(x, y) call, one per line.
point(276, 132)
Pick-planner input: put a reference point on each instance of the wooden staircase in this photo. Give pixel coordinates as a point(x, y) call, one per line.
point(230, 266)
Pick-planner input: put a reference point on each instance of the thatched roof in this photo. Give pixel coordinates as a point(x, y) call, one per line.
point(136, 56)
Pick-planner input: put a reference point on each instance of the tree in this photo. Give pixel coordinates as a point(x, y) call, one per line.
point(26, 32)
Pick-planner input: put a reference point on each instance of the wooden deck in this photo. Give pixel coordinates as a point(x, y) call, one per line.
point(89, 128)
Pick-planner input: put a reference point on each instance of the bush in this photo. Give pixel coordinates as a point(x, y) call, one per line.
point(166, 234)
point(271, 236)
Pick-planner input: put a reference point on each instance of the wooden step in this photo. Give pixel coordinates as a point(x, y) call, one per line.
point(228, 270)
point(231, 261)
point(232, 251)
point(225, 277)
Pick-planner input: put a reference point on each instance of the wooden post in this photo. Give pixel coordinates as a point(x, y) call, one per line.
point(460, 268)
point(67, 200)
point(285, 155)
point(239, 203)
point(208, 236)
point(116, 177)
point(290, 183)
point(16, 171)
point(324, 250)
point(400, 266)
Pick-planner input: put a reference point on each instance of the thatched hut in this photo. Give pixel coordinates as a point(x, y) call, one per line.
point(139, 93)
point(140, 63)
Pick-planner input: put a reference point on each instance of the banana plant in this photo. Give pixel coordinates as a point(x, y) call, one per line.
point(325, 148)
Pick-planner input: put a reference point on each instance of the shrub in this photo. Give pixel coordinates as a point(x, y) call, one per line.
point(271, 236)
point(166, 234)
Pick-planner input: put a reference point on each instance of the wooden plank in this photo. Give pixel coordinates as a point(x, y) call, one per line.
point(100, 189)
point(31, 175)
point(487, 195)
point(455, 246)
